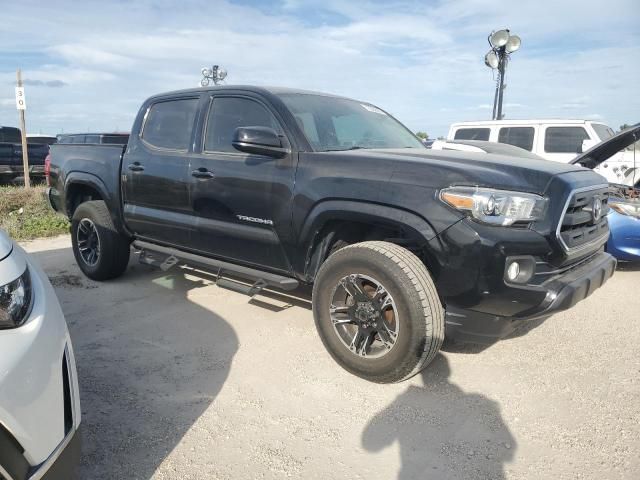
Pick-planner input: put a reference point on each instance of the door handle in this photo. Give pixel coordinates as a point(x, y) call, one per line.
point(135, 167)
point(202, 173)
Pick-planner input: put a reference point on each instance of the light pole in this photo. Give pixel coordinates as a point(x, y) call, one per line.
point(215, 74)
point(503, 44)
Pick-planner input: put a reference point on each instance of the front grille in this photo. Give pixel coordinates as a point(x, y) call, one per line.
point(579, 227)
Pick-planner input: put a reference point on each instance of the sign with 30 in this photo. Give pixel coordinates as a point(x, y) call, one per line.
point(20, 101)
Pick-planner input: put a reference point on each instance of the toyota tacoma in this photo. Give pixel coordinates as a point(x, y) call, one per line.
point(403, 245)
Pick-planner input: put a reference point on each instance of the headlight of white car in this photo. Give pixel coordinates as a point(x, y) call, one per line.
point(15, 301)
point(496, 207)
point(631, 209)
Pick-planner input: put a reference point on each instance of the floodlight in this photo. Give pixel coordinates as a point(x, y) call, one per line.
point(499, 39)
point(512, 44)
point(491, 60)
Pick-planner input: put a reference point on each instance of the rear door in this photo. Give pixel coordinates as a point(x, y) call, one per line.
point(241, 203)
point(155, 172)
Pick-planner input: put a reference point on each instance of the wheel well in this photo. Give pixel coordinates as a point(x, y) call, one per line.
point(80, 193)
point(336, 234)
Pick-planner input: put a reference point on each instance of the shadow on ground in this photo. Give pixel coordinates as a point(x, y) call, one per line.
point(150, 362)
point(442, 431)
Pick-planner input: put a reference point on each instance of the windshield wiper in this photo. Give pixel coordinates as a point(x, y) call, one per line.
point(355, 147)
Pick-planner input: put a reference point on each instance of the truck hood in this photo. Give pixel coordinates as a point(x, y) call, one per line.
point(437, 169)
point(605, 150)
point(6, 245)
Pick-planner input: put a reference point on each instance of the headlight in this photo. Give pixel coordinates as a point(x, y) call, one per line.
point(495, 207)
point(15, 301)
point(631, 209)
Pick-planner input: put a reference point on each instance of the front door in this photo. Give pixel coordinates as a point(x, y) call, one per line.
point(155, 173)
point(241, 202)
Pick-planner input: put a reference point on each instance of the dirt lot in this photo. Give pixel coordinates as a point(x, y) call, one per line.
point(181, 379)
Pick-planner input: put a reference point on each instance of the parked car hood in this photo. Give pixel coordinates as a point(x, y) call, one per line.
point(605, 150)
point(437, 168)
point(6, 245)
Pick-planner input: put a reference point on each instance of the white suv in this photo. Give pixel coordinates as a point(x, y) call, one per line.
point(39, 403)
point(557, 140)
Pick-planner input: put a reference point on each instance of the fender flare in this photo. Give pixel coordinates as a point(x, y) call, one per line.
point(95, 182)
point(363, 212)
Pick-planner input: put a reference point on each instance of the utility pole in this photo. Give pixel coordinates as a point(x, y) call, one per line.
point(22, 106)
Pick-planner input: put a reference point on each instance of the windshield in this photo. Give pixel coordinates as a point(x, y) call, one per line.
point(335, 124)
point(602, 131)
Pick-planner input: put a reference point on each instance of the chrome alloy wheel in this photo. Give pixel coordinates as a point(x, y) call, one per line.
point(364, 316)
point(88, 242)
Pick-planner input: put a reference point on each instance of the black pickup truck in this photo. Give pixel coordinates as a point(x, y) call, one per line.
point(403, 245)
point(11, 164)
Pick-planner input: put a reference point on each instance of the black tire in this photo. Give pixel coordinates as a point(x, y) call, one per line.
point(421, 317)
point(113, 256)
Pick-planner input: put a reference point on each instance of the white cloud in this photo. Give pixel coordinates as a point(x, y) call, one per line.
point(425, 65)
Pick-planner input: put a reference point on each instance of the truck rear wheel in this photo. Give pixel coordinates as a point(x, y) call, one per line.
point(377, 311)
point(101, 252)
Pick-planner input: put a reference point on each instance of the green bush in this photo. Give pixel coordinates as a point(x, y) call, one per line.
point(25, 214)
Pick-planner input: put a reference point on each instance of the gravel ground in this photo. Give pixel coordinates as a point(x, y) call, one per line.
point(181, 379)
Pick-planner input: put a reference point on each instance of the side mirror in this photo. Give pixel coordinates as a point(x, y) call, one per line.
point(259, 141)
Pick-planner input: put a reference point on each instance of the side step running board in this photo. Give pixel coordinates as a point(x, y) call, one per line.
point(162, 257)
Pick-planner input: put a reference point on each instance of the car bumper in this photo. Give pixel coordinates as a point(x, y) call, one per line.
point(39, 402)
point(561, 293)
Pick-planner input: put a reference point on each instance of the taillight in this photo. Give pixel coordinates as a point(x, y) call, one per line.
point(47, 169)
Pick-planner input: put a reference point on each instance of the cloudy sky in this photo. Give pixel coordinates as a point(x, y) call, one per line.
point(89, 64)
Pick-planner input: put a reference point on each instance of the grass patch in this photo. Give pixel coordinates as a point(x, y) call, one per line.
point(25, 214)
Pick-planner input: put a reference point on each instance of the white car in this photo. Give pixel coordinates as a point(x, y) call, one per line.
point(39, 402)
point(557, 140)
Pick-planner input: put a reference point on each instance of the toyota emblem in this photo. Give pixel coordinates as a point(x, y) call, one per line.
point(596, 210)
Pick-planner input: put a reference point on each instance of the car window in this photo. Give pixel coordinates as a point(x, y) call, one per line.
point(115, 139)
point(228, 113)
point(603, 131)
point(169, 123)
point(92, 139)
point(564, 139)
point(472, 134)
point(519, 136)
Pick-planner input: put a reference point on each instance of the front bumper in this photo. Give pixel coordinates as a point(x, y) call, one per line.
point(562, 293)
point(39, 402)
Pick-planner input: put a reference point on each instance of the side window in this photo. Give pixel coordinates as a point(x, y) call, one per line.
point(564, 139)
point(472, 134)
point(92, 139)
point(169, 124)
point(519, 136)
point(228, 113)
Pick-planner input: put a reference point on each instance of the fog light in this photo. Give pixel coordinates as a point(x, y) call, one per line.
point(513, 271)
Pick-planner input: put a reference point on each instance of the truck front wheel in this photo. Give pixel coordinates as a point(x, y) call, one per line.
point(377, 311)
point(101, 252)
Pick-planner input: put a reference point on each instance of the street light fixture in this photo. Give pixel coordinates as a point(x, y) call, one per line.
point(215, 74)
point(503, 44)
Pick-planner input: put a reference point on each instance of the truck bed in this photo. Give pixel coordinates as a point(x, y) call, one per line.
point(78, 163)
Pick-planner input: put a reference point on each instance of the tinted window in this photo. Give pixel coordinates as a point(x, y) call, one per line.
point(10, 135)
point(115, 139)
point(169, 124)
point(92, 139)
point(602, 131)
point(564, 139)
point(472, 134)
point(42, 140)
point(227, 114)
point(519, 136)
point(332, 123)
